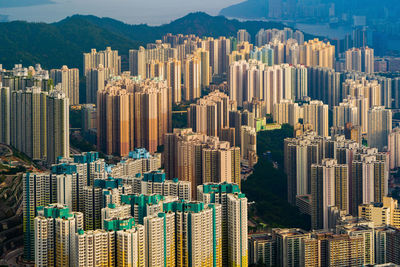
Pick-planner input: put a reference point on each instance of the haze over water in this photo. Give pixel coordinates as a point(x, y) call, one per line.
point(153, 12)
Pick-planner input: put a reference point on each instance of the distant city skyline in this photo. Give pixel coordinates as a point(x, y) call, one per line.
point(153, 12)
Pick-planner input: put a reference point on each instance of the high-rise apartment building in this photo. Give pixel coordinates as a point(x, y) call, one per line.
point(95, 81)
point(138, 162)
point(270, 84)
point(138, 59)
point(69, 80)
point(286, 111)
point(325, 84)
point(243, 36)
point(205, 69)
point(265, 54)
point(379, 127)
point(234, 214)
point(192, 78)
point(29, 122)
point(154, 182)
point(262, 249)
point(155, 69)
point(108, 59)
point(394, 148)
point(360, 59)
point(40, 123)
point(132, 113)
point(361, 87)
point(20, 78)
point(57, 126)
point(55, 229)
point(316, 113)
point(237, 233)
point(99, 196)
point(114, 210)
point(317, 53)
point(146, 205)
point(173, 74)
point(248, 145)
point(5, 115)
point(344, 113)
point(329, 187)
point(36, 193)
point(300, 154)
point(131, 246)
point(210, 114)
point(288, 246)
point(198, 233)
point(393, 245)
point(160, 239)
point(385, 212)
point(264, 36)
point(200, 159)
point(330, 249)
point(362, 105)
point(95, 248)
point(89, 117)
point(367, 236)
point(369, 178)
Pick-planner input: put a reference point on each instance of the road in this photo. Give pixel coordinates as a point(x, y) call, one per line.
point(10, 259)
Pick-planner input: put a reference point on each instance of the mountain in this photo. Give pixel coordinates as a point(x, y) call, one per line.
point(251, 9)
point(63, 42)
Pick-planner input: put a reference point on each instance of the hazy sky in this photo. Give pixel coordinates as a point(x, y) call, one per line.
point(130, 11)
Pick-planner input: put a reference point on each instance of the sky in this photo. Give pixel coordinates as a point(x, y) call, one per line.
point(152, 12)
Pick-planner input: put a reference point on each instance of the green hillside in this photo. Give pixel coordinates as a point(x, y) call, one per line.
point(63, 42)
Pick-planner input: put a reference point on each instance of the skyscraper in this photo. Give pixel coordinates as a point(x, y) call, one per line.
point(330, 249)
point(5, 115)
point(288, 249)
point(173, 72)
point(210, 114)
point(394, 148)
point(200, 159)
point(29, 122)
point(131, 246)
point(243, 36)
point(360, 59)
point(69, 80)
point(132, 113)
point(286, 111)
point(40, 123)
point(55, 229)
point(329, 187)
point(108, 59)
point(36, 193)
point(317, 53)
point(198, 233)
point(154, 182)
point(237, 233)
point(95, 248)
point(379, 127)
point(205, 73)
point(248, 145)
point(234, 213)
point(95, 81)
point(57, 126)
point(370, 90)
point(369, 178)
point(138, 59)
point(344, 113)
point(316, 114)
point(192, 78)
